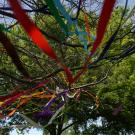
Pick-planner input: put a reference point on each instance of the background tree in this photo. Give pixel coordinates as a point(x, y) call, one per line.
point(110, 77)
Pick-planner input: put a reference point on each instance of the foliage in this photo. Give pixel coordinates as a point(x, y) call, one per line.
point(79, 116)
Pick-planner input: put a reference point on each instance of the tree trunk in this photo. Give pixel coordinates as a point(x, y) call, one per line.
point(51, 129)
point(60, 125)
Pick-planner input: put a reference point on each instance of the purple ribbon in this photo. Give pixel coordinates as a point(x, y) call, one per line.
point(46, 109)
point(47, 113)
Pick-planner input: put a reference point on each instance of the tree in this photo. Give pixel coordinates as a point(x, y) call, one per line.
point(106, 91)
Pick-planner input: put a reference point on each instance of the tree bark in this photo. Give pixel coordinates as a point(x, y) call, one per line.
point(51, 129)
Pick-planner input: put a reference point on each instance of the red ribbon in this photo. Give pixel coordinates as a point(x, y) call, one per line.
point(13, 54)
point(42, 43)
point(2, 98)
point(102, 24)
point(15, 95)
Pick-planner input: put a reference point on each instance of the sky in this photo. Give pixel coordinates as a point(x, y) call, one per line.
point(34, 131)
point(131, 3)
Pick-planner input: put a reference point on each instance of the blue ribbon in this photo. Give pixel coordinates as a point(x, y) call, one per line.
point(81, 34)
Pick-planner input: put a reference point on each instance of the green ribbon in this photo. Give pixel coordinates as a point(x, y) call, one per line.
point(56, 15)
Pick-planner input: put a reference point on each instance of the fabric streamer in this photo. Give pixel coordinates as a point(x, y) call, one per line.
point(14, 96)
point(22, 102)
point(27, 98)
point(46, 110)
point(55, 98)
point(13, 54)
point(52, 113)
point(2, 98)
point(31, 29)
point(112, 38)
point(39, 85)
point(63, 11)
point(102, 24)
point(87, 27)
point(71, 23)
point(10, 101)
point(55, 13)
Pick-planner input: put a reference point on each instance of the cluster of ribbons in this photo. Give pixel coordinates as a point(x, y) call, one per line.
point(12, 102)
point(56, 7)
point(38, 38)
point(24, 96)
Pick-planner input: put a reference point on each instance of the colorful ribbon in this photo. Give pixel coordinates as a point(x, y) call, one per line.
point(81, 34)
point(112, 38)
point(14, 96)
point(102, 24)
point(55, 13)
point(13, 54)
point(47, 109)
point(27, 98)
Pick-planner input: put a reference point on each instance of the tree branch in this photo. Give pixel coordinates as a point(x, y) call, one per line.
point(91, 84)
